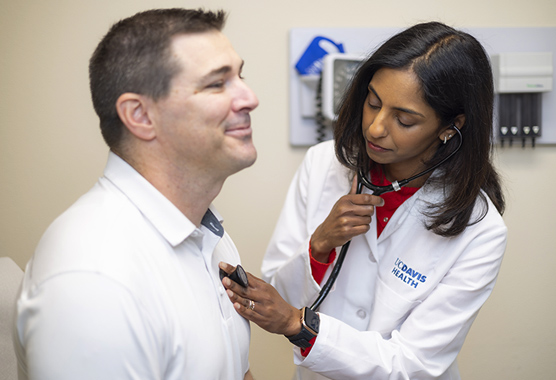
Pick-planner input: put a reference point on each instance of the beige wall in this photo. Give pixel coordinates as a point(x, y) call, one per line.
point(51, 151)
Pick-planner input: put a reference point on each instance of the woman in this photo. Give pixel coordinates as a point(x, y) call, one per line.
point(422, 260)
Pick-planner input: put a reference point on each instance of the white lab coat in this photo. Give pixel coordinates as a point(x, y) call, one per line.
point(403, 303)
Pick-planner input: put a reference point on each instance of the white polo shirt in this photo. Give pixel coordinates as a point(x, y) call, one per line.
point(123, 286)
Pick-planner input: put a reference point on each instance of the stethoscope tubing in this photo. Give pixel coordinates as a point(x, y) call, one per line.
point(377, 190)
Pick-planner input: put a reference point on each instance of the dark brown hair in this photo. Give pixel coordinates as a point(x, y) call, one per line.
point(456, 78)
point(135, 56)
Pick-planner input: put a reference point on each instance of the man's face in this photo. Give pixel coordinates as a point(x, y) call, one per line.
point(204, 123)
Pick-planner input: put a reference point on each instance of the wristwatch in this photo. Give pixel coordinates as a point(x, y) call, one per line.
point(310, 322)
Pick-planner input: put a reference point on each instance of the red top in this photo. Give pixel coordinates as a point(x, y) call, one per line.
point(392, 201)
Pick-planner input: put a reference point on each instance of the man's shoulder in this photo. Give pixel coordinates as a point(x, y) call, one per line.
point(100, 230)
point(100, 212)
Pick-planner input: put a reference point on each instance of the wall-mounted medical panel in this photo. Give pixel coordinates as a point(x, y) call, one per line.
point(520, 79)
point(306, 120)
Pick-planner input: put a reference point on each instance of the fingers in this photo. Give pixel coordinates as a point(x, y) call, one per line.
point(233, 285)
point(246, 308)
point(357, 205)
point(237, 295)
point(243, 299)
point(262, 304)
point(226, 267)
point(354, 185)
point(243, 304)
point(363, 199)
point(351, 216)
point(235, 288)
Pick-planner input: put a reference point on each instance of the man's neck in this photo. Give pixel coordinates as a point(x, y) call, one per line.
point(191, 192)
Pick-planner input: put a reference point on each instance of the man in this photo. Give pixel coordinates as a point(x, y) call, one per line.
point(125, 283)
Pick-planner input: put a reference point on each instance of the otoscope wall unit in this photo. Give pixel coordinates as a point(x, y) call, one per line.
point(517, 55)
point(520, 80)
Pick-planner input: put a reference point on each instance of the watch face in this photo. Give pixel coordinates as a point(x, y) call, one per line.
point(312, 320)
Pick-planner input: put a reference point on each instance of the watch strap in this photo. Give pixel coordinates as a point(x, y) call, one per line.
point(303, 338)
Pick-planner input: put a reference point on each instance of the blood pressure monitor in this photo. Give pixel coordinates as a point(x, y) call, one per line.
point(337, 71)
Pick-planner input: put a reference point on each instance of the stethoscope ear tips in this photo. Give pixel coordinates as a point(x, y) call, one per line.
point(448, 137)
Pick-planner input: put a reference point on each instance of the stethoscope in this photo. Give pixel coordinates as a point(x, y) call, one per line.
point(377, 190)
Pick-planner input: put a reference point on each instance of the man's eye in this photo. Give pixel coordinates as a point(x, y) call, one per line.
point(218, 84)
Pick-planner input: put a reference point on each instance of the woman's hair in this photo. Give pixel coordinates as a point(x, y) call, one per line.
point(455, 76)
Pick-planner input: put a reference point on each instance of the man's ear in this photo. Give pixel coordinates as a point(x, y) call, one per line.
point(133, 112)
point(448, 132)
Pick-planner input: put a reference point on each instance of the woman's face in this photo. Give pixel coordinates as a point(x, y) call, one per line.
point(401, 130)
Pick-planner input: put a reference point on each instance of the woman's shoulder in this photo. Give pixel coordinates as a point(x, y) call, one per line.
point(321, 164)
point(483, 215)
point(322, 151)
point(485, 209)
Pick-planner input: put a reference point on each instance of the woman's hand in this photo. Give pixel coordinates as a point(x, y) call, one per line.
point(268, 310)
point(350, 217)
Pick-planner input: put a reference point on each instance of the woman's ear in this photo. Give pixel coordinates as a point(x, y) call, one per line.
point(132, 109)
point(448, 132)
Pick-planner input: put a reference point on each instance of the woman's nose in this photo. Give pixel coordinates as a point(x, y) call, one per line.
point(376, 127)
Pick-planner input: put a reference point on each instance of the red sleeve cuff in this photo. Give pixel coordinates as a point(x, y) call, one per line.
point(305, 351)
point(318, 269)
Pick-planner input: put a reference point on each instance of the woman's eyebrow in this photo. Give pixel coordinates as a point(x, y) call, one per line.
point(371, 89)
point(402, 109)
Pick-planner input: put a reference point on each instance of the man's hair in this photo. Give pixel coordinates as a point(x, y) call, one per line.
point(135, 56)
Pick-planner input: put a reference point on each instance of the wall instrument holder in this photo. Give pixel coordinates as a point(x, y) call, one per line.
point(520, 79)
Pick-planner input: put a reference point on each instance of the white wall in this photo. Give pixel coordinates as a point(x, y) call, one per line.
point(51, 151)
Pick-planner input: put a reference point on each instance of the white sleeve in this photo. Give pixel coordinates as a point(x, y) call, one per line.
point(317, 185)
point(286, 264)
point(428, 341)
point(85, 326)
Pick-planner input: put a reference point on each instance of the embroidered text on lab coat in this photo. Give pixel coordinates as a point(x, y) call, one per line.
point(407, 274)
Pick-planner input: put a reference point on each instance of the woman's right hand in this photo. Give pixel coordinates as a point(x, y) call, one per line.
point(350, 216)
point(260, 303)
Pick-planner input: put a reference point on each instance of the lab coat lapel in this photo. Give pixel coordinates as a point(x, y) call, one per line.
point(371, 240)
point(370, 236)
point(399, 217)
point(334, 186)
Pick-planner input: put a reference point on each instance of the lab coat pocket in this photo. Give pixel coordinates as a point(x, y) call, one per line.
point(389, 310)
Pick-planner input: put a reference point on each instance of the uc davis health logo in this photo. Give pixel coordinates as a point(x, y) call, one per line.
point(407, 274)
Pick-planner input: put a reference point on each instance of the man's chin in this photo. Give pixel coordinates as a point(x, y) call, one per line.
point(247, 160)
